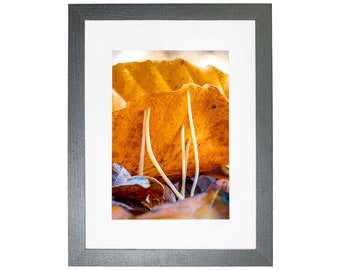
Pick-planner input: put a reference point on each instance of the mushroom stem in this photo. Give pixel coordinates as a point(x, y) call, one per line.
point(184, 171)
point(142, 150)
point(185, 166)
point(153, 158)
point(194, 142)
point(187, 147)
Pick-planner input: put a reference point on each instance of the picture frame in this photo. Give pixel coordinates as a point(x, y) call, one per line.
point(79, 255)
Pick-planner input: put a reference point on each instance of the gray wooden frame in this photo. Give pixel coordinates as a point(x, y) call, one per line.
point(78, 254)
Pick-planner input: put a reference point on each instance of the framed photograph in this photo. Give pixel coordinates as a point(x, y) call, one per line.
point(170, 135)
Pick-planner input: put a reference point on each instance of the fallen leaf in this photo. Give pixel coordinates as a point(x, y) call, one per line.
point(220, 172)
point(213, 205)
point(169, 196)
point(145, 189)
point(119, 175)
point(188, 186)
point(134, 206)
point(204, 182)
point(120, 213)
point(169, 111)
point(224, 183)
point(131, 80)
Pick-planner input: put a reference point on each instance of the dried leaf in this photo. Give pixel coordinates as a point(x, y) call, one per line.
point(188, 186)
point(119, 175)
point(220, 172)
point(204, 182)
point(145, 189)
point(222, 184)
point(169, 195)
point(131, 80)
point(213, 205)
point(134, 206)
point(169, 112)
point(120, 213)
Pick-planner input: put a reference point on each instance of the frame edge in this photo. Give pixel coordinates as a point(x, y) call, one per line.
point(78, 255)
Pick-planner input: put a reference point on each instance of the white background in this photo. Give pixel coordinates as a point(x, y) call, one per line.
point(33, 143)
